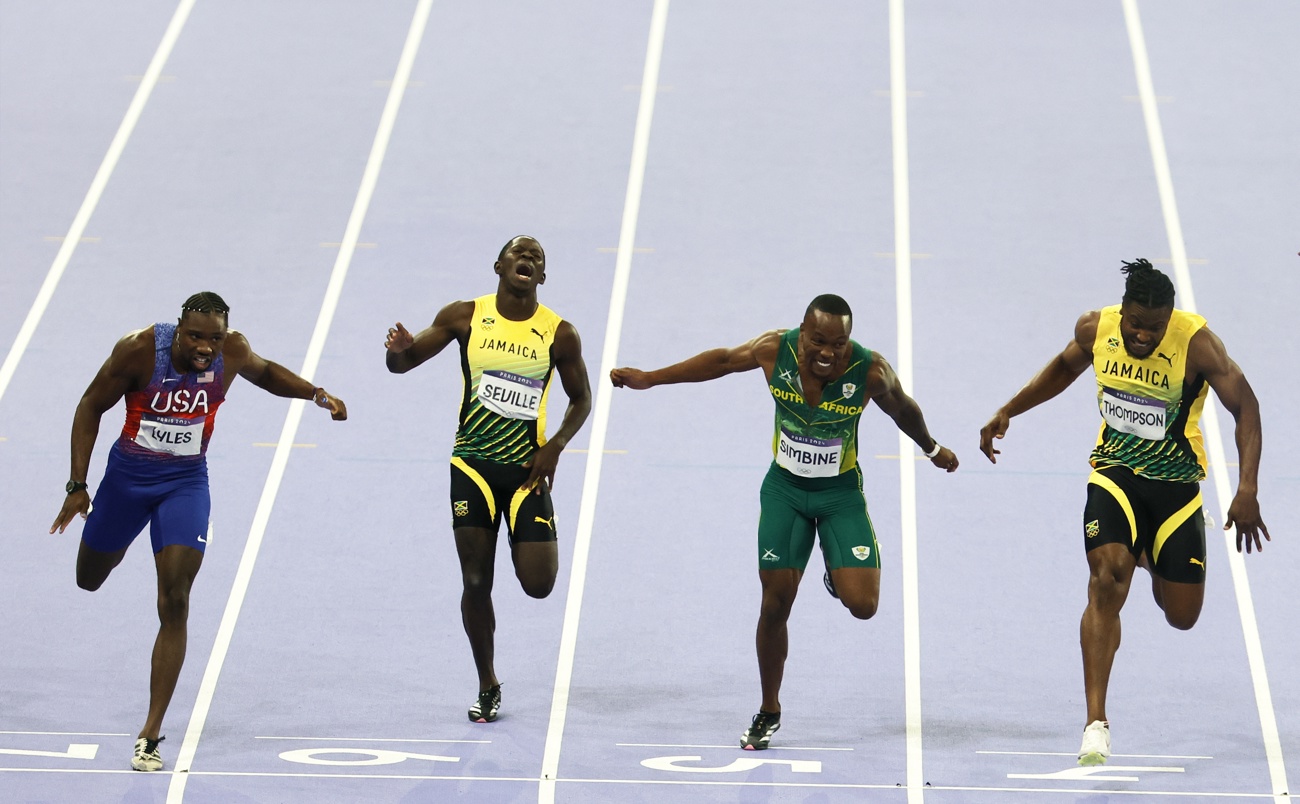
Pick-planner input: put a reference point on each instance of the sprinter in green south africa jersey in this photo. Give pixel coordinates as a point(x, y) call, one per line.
point(821, 382)
point(503, 464)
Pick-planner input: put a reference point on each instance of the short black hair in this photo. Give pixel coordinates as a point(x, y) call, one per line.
point(517, 237)
point(1147, 286)
point(206, 302)
point(829, 303)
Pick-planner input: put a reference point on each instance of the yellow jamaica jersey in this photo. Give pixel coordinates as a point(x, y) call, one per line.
point(1150, 410)
point(506, 366)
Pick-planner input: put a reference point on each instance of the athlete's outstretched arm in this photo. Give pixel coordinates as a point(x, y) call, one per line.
point(1207, 356)
point(885, 390)
point(120, 373)
point(275, 378)
point(1054, 378)
point(567, 351)
point(759, 352)
point(406, 351)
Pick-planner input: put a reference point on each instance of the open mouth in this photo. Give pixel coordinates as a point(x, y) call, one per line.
point(201, 362)
point(526, 271)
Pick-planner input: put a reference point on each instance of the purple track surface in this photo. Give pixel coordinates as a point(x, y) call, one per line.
point(770, 178)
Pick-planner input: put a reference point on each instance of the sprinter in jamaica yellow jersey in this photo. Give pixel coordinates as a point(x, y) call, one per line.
point(1154, 365)
point(503, 464)
point(821, 381)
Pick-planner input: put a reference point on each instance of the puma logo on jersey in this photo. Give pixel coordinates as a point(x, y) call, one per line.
point(538, 334)
point(1167, 358)
point(1197, 562)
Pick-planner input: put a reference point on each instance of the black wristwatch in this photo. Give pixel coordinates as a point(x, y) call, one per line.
point(73, 487)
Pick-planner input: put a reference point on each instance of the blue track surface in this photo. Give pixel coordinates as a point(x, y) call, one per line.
point(769, 179)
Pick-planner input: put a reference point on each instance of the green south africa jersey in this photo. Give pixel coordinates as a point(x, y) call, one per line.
point(506, 366)
point(821, 441)
point(1150, 409)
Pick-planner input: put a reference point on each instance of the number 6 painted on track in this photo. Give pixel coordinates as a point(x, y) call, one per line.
point(376, 756)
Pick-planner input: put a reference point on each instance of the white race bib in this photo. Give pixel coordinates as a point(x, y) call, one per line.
point(171, 435)
point(510, 395)
point(1133, 414)
point(808, 457)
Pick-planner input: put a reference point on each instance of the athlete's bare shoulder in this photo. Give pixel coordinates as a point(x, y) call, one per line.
point(1206, 354)
point(133, 354)
point(1085, 330)
point(236, 351)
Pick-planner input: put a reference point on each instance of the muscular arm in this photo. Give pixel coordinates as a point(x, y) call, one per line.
point(1207, 357)
point(572, 369)
point(1060, 372)
point(127, 368)
point(406, 351)
point(759, 352)
point(275, 378)
point(885, 390)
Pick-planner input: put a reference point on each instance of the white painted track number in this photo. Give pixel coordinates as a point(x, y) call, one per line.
point(372, 756)
point(75, 751)
point(738, 765)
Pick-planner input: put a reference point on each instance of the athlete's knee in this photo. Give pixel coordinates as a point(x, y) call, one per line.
point(864, 608)
point(478, 583)
point(174, 604)
point(537, 587)
point(1182, 620)
point(1111, 571)
point(89, 582)
point(775, 609)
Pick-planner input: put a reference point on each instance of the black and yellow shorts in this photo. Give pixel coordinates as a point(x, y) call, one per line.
point(1162, 519)
point(795, 509)
point(483, 493)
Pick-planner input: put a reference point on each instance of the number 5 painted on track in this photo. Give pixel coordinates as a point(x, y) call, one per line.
point(75, 751)
point(739, 765)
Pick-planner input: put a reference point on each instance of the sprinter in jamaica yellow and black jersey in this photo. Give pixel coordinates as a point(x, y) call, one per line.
point(1154, 365)
point(821, 381)
point(503, 464)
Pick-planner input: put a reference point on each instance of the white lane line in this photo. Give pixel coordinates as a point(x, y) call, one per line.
point(600, 417)
point(906, 469)
point(1065, 754)
point(226, 630)
point(1209, 416)
point(67, 733)
point(97, 185)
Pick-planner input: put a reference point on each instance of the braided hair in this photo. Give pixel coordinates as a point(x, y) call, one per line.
point(1147, 286)
point(206, 302)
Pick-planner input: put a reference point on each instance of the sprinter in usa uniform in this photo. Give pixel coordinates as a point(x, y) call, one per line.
point(174, 378)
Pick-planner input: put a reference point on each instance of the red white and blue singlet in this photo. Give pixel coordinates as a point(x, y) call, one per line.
point(172, 417)
point(157, 473)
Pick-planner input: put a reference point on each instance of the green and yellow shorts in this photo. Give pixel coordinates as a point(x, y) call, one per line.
point(794, 510)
